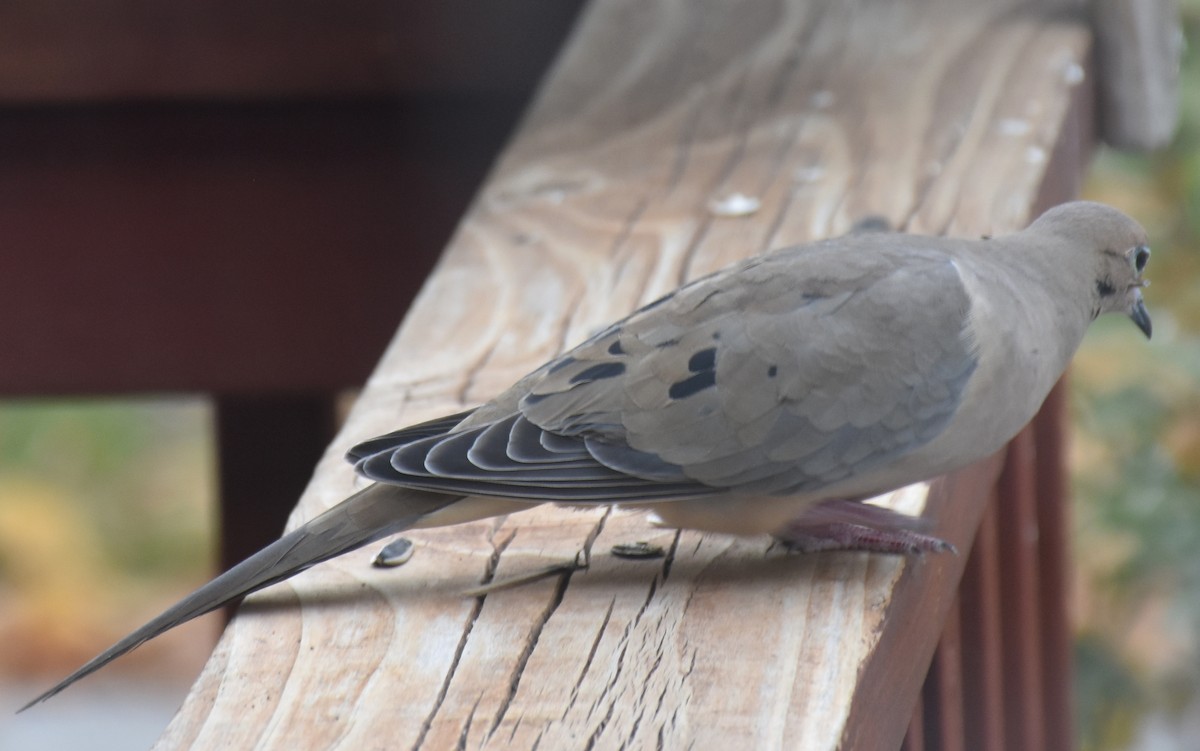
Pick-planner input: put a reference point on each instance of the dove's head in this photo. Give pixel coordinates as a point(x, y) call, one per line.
point(1116, 251)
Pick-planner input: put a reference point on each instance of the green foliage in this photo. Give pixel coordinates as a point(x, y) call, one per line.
point(136, 472)
point(1108, 701)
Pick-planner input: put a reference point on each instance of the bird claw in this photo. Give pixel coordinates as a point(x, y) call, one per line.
point(859, 537)
point(839, 524)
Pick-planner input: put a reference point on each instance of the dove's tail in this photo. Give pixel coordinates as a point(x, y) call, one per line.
point(366, 516)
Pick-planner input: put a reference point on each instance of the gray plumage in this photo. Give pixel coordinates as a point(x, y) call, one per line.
point(832, 371)
point(720, 386)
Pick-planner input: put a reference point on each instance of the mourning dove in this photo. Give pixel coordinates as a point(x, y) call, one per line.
point(766, 398)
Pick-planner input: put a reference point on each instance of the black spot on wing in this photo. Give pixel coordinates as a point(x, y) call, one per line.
point(772, 371)
point(598, 372)
point(692, 385)
point(705, 359)
point(703, 364)
point(615, 348)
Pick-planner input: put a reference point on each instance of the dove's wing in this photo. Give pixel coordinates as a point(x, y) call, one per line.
point(787, 373)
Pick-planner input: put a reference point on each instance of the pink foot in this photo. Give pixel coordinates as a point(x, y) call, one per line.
point(852, 525)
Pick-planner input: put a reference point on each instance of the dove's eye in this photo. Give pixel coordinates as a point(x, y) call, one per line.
point(1141, 254)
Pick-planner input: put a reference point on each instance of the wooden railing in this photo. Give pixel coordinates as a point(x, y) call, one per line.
point(1001, 675)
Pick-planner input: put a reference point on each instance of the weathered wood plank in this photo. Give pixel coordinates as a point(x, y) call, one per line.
point(918, 604)
point(979, 614)
point(1020, 616)
point(938, 116)
point(948, 669)
point(989, 679)
point(1054, 583)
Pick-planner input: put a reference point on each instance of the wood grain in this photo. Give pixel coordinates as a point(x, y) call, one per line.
point(939, 116)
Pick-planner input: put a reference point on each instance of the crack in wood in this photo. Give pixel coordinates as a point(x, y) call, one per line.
point(488, 575)
point(687, 603)
point(595, 736)
point(662, 697)
point(587, 664)
point(691, 665)
point(637, 721)
point(618, 668)
point(595, 533)
point(669, 558)
point(493, 563)
point(531, 642)
point(515, 727)
point(466, 728)
point(454, 662)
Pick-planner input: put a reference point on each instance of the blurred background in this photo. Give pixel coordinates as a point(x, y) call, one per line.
point(1135, 453)
point(106, 495)
point(119, 495)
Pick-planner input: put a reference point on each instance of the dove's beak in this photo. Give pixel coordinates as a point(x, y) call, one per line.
point(1140, 317)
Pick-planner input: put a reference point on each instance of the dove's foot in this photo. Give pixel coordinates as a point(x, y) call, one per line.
point(840, 536)
point(851, 525)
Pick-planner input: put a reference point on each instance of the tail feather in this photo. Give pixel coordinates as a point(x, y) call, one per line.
point(367, 516)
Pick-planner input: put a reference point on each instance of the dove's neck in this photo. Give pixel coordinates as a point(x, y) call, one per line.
point(1025, 324)
point(1037, 296)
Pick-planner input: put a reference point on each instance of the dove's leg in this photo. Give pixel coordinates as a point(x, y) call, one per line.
point(852, 525)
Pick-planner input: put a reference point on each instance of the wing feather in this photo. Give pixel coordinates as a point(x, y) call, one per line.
point(790, 373)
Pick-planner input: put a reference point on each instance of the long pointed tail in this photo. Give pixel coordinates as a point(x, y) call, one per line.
point(366, 516)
